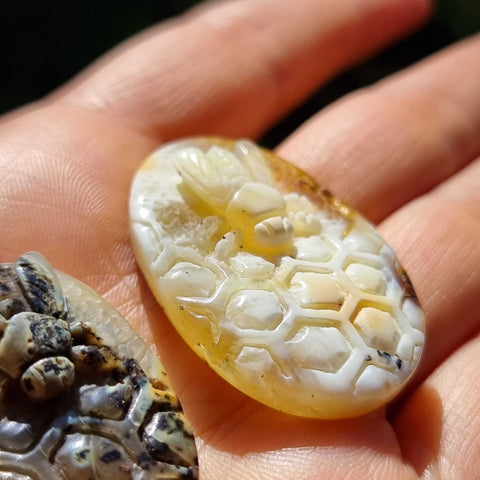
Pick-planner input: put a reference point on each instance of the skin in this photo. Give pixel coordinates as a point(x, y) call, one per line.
point(405, 152)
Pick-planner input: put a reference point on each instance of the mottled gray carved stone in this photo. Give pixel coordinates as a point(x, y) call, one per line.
point(81, 396)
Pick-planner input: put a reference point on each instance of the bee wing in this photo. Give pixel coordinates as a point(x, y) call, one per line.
point(40, 284)
point(213, 176)
point(253, 161)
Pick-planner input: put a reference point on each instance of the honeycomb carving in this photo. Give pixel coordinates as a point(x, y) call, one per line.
point(308, 312)
point(367, 278)
point(254, 309)
point(377, 328)
point(109, 415)
point(319, 348)
point(317, 290)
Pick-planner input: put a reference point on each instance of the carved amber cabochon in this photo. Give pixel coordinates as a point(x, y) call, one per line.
point(289, 294)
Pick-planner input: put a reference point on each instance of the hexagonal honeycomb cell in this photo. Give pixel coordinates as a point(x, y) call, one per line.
point(377, 328)
point(319, 348)
point(254, 309)
point(251, 266)
point(189, 279)
point(364, 242)
point(314, 248)
point(308, 311)
point(255, 361)
point(317, 290)
point(367, 278)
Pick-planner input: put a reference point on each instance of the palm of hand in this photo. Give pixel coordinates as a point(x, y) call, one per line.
point(69, 161)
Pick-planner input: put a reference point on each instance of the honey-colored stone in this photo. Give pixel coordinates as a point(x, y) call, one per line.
point(289, 295)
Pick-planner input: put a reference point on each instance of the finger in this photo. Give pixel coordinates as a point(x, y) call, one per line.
point(235, 67)
point(354, 451)
point(437, 238)
point(379, 148)
point(439, 429)
point(64, 193)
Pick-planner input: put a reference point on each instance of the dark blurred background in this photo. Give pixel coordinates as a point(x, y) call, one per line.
point(43, 44)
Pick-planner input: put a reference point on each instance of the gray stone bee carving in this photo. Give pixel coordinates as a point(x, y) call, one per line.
point(81, 396)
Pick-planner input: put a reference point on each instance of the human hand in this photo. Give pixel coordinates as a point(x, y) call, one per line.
point(404, 152)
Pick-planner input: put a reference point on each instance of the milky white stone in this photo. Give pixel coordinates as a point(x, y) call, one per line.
point(288, 294)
